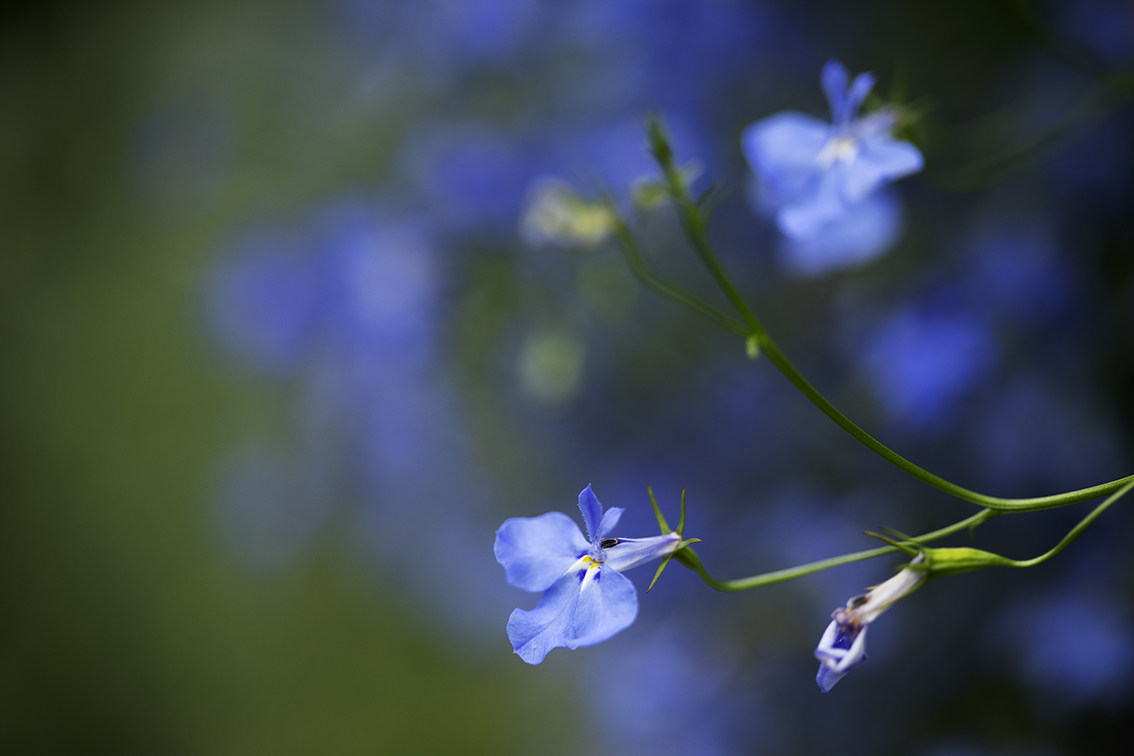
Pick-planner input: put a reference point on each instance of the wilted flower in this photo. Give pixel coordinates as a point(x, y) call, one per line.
point(843, 645)
point(586, 599)
point(556, 214)
point(813, 172)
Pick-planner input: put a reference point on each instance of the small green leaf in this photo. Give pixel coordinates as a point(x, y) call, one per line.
point(752, 347)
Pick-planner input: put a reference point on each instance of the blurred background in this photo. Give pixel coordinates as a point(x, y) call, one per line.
point(277, 363)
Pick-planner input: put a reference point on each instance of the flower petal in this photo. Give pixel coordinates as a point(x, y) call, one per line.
point(861, 234)
point(804, 219)
point(880, 160)
point(859, 89)
point(536, 551)
point(884, 595)
point(592, 512)
point(579, 610)
point(631, 552)
point(608, 604)
point(550, 625)
point(835, 658)
point(834, 79)
point(783, 150)
point(610, 519)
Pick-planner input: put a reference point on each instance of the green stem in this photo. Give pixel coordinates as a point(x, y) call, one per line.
point(693, 223)
point(643, 273)
point(690, 559)
point(784, 365)
point(1076, 531)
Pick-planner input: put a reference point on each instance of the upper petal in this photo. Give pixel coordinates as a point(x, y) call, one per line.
point(859, 89)
point(610, 519)
point(880, 160)
point(783, 150)
point(592, 512)
point(608, 604)
point(834, 79)
point(536, 551)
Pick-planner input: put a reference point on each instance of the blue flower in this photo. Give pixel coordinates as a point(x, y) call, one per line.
point(586, 599)
point(813, 171)
point(923, 360)
point(843, 645)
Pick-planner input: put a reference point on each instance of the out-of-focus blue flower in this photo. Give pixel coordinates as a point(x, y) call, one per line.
point(1021, 273)
point(922, 360)
point(673, 692)
point(815, 172)
point(586, 599)
point(471, 176)
point(1107, 26)
point(1038, 434)
point(843, 645)
point(861, 235)
point(1074, 645)
point(263, 301)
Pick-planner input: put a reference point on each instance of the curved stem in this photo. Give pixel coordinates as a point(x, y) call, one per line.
point(690, 559)
point(643, 273)
point(784, 365)
point(693, 223)
point(1076, 531)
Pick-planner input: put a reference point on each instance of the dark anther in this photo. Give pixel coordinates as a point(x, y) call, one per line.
point(609, 542)
point(857, 601)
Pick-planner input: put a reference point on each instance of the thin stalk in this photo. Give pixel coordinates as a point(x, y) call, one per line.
point(693, 224)
point(643, 273)
point(784, 365)
point(1075, 531)
point(690, 559)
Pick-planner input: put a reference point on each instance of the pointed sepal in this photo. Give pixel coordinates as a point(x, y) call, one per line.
point(657, 511)
point(680, 550)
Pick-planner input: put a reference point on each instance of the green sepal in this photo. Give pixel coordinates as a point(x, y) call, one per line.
point(657, 511)
point(658, 140)
point(903, 547)
point(681, 550)
point(681, 522)
point(676, 552)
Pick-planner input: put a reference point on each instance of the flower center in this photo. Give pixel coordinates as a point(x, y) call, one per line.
point(838, 149)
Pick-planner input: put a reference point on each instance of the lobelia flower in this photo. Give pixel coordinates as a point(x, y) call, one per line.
point(813, 172)
point(843, 645)
point(586, 599)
